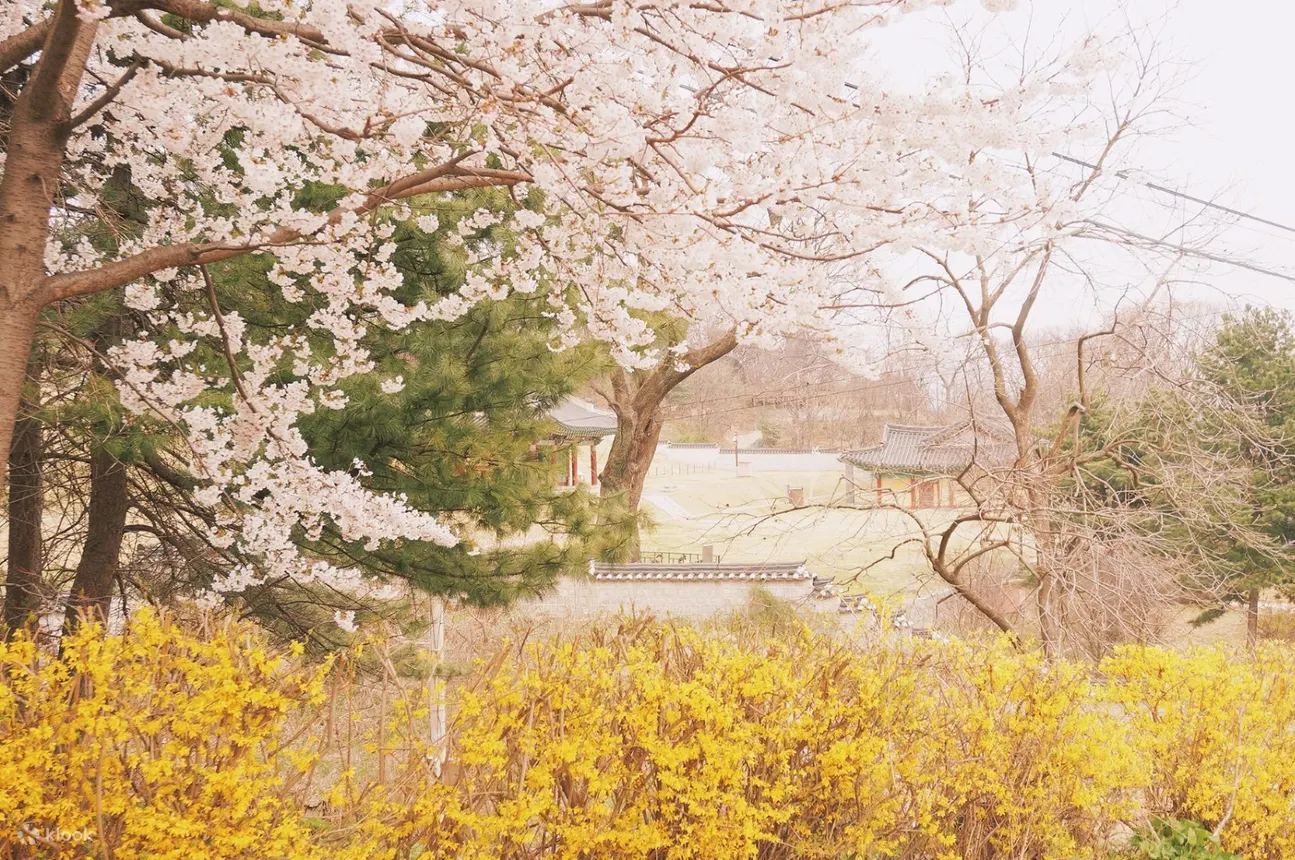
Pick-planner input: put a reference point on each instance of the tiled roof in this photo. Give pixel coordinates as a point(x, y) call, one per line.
point(789, 570)
point(745, 451)
point(910, 448)
point(576, 417)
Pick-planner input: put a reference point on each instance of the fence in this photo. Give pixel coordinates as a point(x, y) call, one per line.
point(681, 468)
point(677, 558)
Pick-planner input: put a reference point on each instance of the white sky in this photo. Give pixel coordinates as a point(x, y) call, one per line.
point(1240, 145)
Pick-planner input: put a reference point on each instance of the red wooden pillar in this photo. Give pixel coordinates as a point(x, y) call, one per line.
point(573, 466)
point(881, 499)
point(593, 465)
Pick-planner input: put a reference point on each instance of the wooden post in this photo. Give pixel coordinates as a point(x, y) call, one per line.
point(593, 463)
point(1252, 618)
point(436, 686)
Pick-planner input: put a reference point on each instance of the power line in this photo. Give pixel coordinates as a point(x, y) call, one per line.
point(1125, 174)
point(1193, 252)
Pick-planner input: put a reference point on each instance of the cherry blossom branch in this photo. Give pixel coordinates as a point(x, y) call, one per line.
point(234, 375)
point(158, 27)
point(120, 272)
point(23, 44)
point(195, 10)
point(110, 93)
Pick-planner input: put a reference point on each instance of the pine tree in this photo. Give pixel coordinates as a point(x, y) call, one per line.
point(465, 436)
point(1253, 360)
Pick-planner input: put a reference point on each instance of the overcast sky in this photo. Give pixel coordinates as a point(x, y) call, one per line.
point(1233, 143)
point(1240, 143)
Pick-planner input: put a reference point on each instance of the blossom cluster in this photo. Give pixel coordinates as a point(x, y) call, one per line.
point(718, 162)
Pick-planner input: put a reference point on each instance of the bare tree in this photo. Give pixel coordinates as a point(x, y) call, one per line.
point(1096, 458)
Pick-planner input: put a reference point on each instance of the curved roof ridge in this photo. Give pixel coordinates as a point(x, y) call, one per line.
point(696, 571)
point(936, 449)
point(576, 416)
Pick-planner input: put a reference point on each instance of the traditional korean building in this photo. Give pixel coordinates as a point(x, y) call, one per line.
point(917, 466)
point(581, 426)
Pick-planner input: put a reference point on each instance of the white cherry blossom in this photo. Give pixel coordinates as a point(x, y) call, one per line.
point(701, 159)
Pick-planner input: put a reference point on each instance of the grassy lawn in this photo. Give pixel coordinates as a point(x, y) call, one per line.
point(748, 519)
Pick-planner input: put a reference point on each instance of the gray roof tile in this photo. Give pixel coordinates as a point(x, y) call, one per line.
point(951, 448)
point(576, 417)
point(755, 572)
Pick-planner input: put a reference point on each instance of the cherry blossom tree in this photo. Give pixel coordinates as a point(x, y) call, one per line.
point(637, 396)
point(716, 162)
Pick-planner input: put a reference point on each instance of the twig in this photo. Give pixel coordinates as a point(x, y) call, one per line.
point(224, 337)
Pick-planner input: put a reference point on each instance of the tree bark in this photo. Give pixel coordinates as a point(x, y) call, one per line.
point(1049, 623)
point(38, 133)
point(101, 556)
point(1046, 540)
point(17, 332)
point(1252, 618)
point(636, 398)
point(26, 506)
point(628, 461)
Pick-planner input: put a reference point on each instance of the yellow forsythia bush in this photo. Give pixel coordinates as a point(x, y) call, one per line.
point(1217, 736)
point(153, 745)
point(663, 742)
point(647, 741)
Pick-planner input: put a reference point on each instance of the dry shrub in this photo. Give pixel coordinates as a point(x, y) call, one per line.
point(1107, 595)
point(997, 579)
point(1115, 593)
point(1279, 626)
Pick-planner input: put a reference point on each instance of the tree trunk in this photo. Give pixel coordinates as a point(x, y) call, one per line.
point(39, 128)
point(1046, 547)
point(1049, 624)
point(636, 398)
point(17, 331)
point(26, 505)
point(100, 557)
point(628, 462)
point(1252, 618)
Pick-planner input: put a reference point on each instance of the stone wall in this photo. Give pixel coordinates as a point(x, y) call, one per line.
point(679, 598)
point(759, 460)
